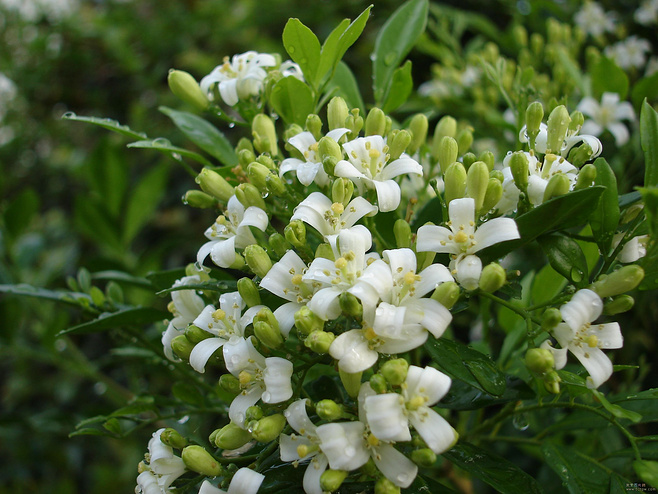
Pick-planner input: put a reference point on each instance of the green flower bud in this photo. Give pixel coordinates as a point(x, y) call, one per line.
point(231, 436)
point(314, 125)
point(477, 181)
point(579, 155)
point(423, 457)
point(306, 322)
point(489, 158)
point(329, 165)
point(199, 199)
point(269, 428)
point(385, 486)
point(244, 144)
point(342, 190)
point(171, 437)
point(328, 148)
point(329, 410)
point(395, 371)
point(376, 122)
point(447, 126)
point(455, 182)
point(246, 156)
point(618, 305)
point(319, 341)
point(551, 318)
point(351, 382)
point(199, 460)
point(464, 140)
point(401, 140)
point(267, 161)
point(558, 124)
point(577, 121)
point(266, 328)
point(447, 152)
point(249, 195)
point(378, 383)
point(350, 305)
point(275, 185)
point(493, 196)
point(295, 233)
point(195, 334)
point(519, 167)
point(534, 115)
point(257, 260)
point(468, 159)
point(331, 480)
point(248, 291)
point(230, 384)
point(586, 177)
point(402, 232)
point(558, 185)
point(253, 413)
point(539, 360)
point(631, 213)
point(498, 175)
point(325, 251)
point(552, 382)
point(354, 122)
point(264, 134)
point(238, 263)
point(520, 35)
point(618, 282)
point(536, 43)
point(214, 184)
point(257, 174)
point(418, 127)
point(186, 88)
point(182, 347)
point(493, 278)
point(337, 113)
point(278, 244)
point(447, 294)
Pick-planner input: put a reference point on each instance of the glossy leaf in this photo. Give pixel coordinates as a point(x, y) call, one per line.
point(616, 410)
point(106, 123)
point(401, 87)
point(292, 99)
point(647, 471)
point(69, 298)
point(425, 485)
point(645, 88)
point(608, 77)
point(120, 276)
point(605, 219)
point(463, 396)
point(546, 285)
point(144, 200)
point(303, 47)
point(216, 286)
point(203, 134)
point(566, 257)
point(431, 211)
point(580, 473)
point(344, 84)
point(133, 316)
point(649, 142)
point(164, 146)
point(162, 280)
point(187, 393)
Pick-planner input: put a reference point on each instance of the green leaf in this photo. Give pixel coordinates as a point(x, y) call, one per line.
point(108, 173)
point(401, 87)
point(120, 276)
point(649, 141)
point(463, 396)
point(608, 77)
point(69, 298)
point(605, 219)
point(106, 123)
point(144, 200)
point(566, 257)
point(163, 145)
point(647, 471)
point(546, 285)
point(216, 286)
point(133, 316)
point(394, 41)
point(645, 89)
point(344, 84)
point(203, 134)
point(303, 47)
point(616, 410)
point(425, 485)
point(292, 99)
point(162, 280)
point(94, 221)
point(501, 474)
point(461, 362)
point(580, 473)
point(187, 393)
point(384, 223)
point(19, 212)
point(431, 211)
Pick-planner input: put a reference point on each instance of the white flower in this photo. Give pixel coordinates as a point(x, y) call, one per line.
point(330, 218)
point(223, 324)
point(231, 231)
point(310, 169)
point(164, 467)
point(186, 305)
point(629, 53)
point(647, 13)
point(540, 172)
point(240, 78)
point(343, 444)
point(607, 115)
point(593, 20)
point(245, 481)
point(260, 378)
point(633, 250)
point(584, 339)
point(368, 166)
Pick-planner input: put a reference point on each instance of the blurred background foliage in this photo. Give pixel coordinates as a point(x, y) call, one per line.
point(73, 196)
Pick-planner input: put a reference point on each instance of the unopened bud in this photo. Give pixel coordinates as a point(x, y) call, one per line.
point(266, 328)
point(195, 334)
point(342, 190)
point(278, 244)
point(199, 460)
point(477, 181)
point(447, 294)
point(244, 144)
point(447, 126)
point(329, 148)
point(489, 158)
point(230, 384)
point(402, 232)
point(295, 233)
point(331, 480)
point(231, 436)
point(558, 185)
point(418, 127)
point(319, 341)
point(493, 278)
point(552, 382)
point(464, 140)
point(493, 196)
point(537, 43)
point(329, 410)
point(376, 122)
point(257, 260)
point(520, 35)
point(351, 382)
point(306, 321)
point(447, 152)
point(378, 384)
point(558, 124)
point(468, 159)
point(269, 428)
point(423, 457)
point(257, 174)
point(577, 121)
point(214, 184)
point(253, 413)
point(631, 213)
point(354, 122)
point(314, 125)
point(399, 145)
point(518, 164)
point(579, 155)
point(248, 291)
point(199, 199)
point(264, 134)
point(618, 282)
point(171, 437)
point(551, 318)
point(275, 185)
point(539, 360)
point(337, 113)
point(455, 182)
point(618, 305)
point(395, 371)
point(534, 115)
point(350, 305)
point(246, 156)
point(186, 88)
point(586, 177)
point(182, 347)
point(385, 486)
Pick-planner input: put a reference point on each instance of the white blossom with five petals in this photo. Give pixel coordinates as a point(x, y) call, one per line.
point(245, 481)
point(607, 115)
point(309, 169)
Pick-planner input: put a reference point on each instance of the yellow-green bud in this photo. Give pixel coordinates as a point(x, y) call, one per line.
point(195, 334)
point(187, 89)
point(257, 260)
point(552, 382)
point(447, 294)
point(354, 122)
point(230, 384)
point(306, 322)
point(275, 185)
point(171, 437)
point(498, 175)
point(264, 134)
point(199, 199)
point(558, 185)
point(199, 460)
point(378, 384)
point(551, 318)
point(577, 121)
point(329, 410)
point(253, 413)
point(269, 428)
point(244, 144)
point(489, 158)
point(558, 124)
point(266, 328)
point(395, 371)
point(401, 141)
point(329, 148)
point(579, 155)
point(266, 160)
point(182, 347)
point(464, 140)
point(468, 159)
point(314, 125)
point(257, 174)
point(246, 156)
point(518, 164)
point(418, 127)
point(376, 122)
point(477, 181)
point(520, 35)
point(586, 177)
point(621, 281)
point(402, 232)
point(214, 184)
point(447, 152)
point(342, 190)
point(324, 251)
point(337, 113)
point(385, 486)
point(493, 278)
point(534, 115)
point(295, 233)
point(350, 305)
point(447, 126)
point(423, 457)
point(351, 382)
point(536, 43)
point(618, 305)
point(331, 480)
point(278, 244)
point(455, 182)
point(231, 436)
point(539, 360)
point(248, 291)
point(319, 341)
point(249, 195)
point(493, 196)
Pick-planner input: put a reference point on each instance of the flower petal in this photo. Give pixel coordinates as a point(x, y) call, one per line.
point(388, 195)
point(395, 466)
point(241, 402)
point(435, 238)
point(596, 362)
point(585, 306)
point(222, 252)
point(352, 352)
point(317, 466)
point(342, 443)
point(245, 481)
point(437, 433)
point(202, 352)
point(495, 231)
point(276, 376)
point(386, 417)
